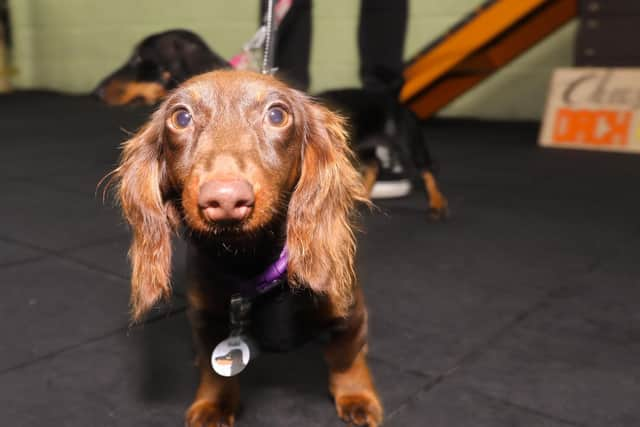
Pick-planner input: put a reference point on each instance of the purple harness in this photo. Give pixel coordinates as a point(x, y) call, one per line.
point(269, 279)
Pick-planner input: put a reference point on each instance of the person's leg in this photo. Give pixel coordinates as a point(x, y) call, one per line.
point(293, 47)
point(381, 35)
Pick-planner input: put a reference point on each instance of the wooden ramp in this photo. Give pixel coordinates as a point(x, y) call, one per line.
point(476, 47)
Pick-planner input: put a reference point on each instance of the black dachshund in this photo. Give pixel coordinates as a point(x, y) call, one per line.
point(378, 121)
point(158, 64)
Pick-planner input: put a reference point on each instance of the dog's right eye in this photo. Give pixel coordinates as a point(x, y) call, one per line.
point(277, 116)
point(181, 118)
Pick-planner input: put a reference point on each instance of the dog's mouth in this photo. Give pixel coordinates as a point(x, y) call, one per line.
point(198, 225)
point(236, 237)
point(229, 234)
point(254, 223)
point(227, 228)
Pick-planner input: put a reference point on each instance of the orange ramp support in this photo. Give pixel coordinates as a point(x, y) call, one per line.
point(478, 46)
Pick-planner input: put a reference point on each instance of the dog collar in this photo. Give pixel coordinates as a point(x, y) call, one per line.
point(271, 277)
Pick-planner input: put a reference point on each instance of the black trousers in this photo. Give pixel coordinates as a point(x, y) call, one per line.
point(381, 35)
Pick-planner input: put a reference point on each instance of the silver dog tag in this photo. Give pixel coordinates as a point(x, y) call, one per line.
point(232, 355)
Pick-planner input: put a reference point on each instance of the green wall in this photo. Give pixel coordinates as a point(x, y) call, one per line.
point(69, 45)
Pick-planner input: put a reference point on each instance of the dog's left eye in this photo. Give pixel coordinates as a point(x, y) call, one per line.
point(181, 118)
point(277, 116)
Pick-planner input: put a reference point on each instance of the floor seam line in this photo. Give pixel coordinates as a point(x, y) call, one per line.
point(23, 261)
point(534, 411)
point(63, 255)
point(518, 319)
point(472, 354)
point(108, 334)
point(42, 181)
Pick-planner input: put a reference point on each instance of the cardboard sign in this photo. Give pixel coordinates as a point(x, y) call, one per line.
point(593, 109)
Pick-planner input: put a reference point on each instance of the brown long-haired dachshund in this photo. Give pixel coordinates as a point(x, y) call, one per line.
point(249, 169)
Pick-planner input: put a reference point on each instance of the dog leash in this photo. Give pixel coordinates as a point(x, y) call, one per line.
point(269, 42)
point(248, 58)
point(232, 355)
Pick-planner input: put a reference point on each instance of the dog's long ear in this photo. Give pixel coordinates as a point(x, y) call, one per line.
point(320, 236)
point(140, 177)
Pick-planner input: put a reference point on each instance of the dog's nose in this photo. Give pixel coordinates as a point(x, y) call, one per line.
point(226, 200)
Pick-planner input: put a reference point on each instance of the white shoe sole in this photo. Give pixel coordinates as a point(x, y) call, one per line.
point(390, 189)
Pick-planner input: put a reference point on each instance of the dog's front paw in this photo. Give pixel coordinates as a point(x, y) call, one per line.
point(360, 409)
point(204, 413)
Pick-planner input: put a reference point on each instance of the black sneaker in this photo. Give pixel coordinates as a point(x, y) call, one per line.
point(392, 181)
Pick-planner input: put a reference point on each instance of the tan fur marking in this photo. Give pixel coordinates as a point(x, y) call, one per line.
point(438, 204)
